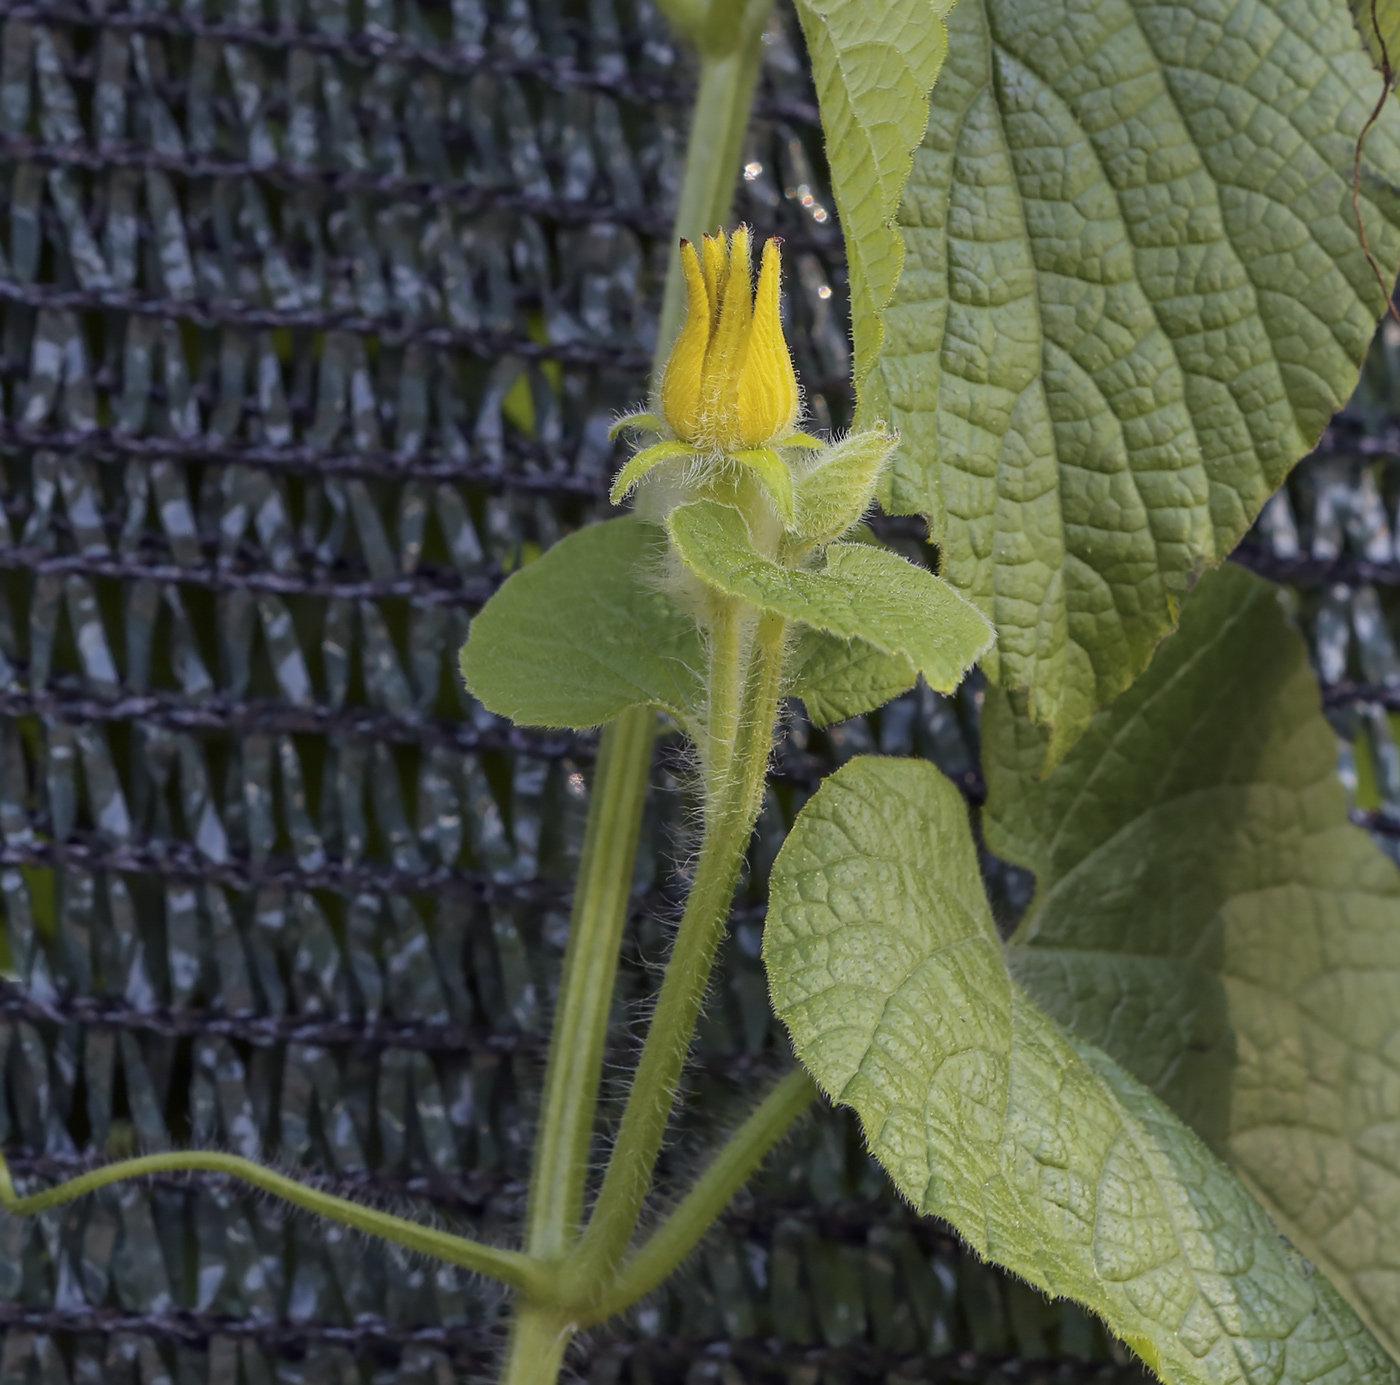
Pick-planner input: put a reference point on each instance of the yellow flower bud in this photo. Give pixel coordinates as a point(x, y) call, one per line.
point(729, 384)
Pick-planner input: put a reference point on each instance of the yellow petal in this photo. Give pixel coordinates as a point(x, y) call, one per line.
point(724, 361)
point(683, 377)
point(767, 397)
point(716, 272)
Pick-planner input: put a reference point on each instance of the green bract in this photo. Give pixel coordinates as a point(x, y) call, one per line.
point(1041, 1151)
point(1133, 293)
point(837, 484)
point(1205, 912)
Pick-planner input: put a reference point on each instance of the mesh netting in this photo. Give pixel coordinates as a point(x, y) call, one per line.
point(315, 316)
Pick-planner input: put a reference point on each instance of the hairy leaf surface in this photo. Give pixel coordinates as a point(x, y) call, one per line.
point(586, 632)
point(1206, 913)
point(837, 679)
point(863, 593)
point(1043, 1152)
point(872, 66)
point(1133, 294)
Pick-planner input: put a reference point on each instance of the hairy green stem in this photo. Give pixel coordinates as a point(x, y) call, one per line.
point(724, 684)
point(590, 971)
point(731, 815)
point(539, 1337)
point(521, 1272)
point(661, 1255)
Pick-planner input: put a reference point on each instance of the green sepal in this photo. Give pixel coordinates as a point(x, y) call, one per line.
point(863, 593)
point(884, 963)
point(840, 486)
point(639, 423)
point(585, 632)
point(773, 472)
point(838, 679)
point(642, 463)
point(804, 441)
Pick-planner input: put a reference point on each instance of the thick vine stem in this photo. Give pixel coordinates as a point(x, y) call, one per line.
point(539, 1337)
point(729, 824)
point(520, 1272)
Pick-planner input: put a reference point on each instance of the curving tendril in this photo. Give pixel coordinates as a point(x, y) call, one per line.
point(521, 1272)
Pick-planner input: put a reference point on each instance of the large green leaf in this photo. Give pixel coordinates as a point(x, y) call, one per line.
point(1133, 294)
point(1205, 912)
point(873, 66)
point(586, 632)
point(863, 593)
point(1040, 1150)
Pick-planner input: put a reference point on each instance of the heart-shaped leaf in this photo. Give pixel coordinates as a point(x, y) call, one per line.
point(1206, 913)
point(1041, 1151)
point(1133, 294)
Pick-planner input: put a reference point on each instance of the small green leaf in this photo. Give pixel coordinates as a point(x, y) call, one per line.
point(642, 463)
point(864, 593)
point(838, 679)
point(586, 632)
point(1206, 913)
point(840, 486)
point(770, 468)
point(1134, 293)
point(872, 66)
point(1379, 24)
point(804, 442)
point(1049, 1158)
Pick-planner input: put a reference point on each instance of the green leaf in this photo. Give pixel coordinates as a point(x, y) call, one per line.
point(586, 632)
point(1133, 295)
point(840, 485)
point(1379, 24)
point(1041, 1151)
point(838, 679)
point(873, 66)
point(1206, 913)
point(864, 593)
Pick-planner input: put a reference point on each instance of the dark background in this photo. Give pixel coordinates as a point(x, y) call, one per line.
point(313, 318)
